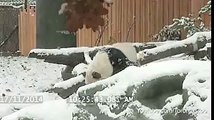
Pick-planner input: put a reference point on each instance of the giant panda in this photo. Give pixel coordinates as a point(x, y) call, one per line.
point(110, 60)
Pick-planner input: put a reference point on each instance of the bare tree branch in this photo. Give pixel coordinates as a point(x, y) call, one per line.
point(101, 32)
point(131, 25)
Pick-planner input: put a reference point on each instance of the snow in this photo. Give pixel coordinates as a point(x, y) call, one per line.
point(79, 69)
point(27, 75)
point(208, 45)
point(21, 76)
point(195, 107)
point(8, 108)
point(152, 114)
point(173, 102)
point(162, 43)
point(60, 51)
point(105, 110)
point(137, 44)
point(51, 110)
point(70, 82)
point(198, 85)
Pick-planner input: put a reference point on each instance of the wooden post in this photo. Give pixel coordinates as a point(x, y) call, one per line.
point(27, 30)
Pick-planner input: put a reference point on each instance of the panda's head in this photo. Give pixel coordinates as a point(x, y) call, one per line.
point(107, 62)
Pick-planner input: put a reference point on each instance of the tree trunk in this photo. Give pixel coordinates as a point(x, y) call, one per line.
point(51, 27)
point(167, 50)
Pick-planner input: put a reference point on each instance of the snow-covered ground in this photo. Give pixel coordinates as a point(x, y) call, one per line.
point(22, 76)
point(27, 75)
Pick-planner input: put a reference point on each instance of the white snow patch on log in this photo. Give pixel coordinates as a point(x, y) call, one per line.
point(69, 83)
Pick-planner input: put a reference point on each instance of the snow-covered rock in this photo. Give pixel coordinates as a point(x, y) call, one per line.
point(157, 87)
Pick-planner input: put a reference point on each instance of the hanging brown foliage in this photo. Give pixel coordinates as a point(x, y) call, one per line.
point(84, 12)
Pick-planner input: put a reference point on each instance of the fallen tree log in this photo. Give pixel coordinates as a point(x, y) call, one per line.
point(74, 56)
point(44, 53)
point(71, 60)
point(189, 45)
point(66, 88)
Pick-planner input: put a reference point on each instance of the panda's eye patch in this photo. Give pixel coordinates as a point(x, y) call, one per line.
point(96, 75)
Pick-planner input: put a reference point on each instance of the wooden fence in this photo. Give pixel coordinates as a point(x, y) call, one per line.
point(149, 15)
point(8, 32)
point(27, 30)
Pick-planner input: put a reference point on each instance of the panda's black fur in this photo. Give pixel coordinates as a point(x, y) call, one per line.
point(117, 59)
point(93, 53)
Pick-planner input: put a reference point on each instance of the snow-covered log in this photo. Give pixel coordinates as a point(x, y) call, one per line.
point(43, 53)
point(66, 73)
point(71, 60)
point(189, 45)
point(66, 88)
point(67, 56)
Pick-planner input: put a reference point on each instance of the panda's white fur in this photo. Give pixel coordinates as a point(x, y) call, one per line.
point(128, 50)
point(102, 65)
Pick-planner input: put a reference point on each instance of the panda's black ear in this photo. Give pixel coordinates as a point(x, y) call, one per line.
point(93, 53)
